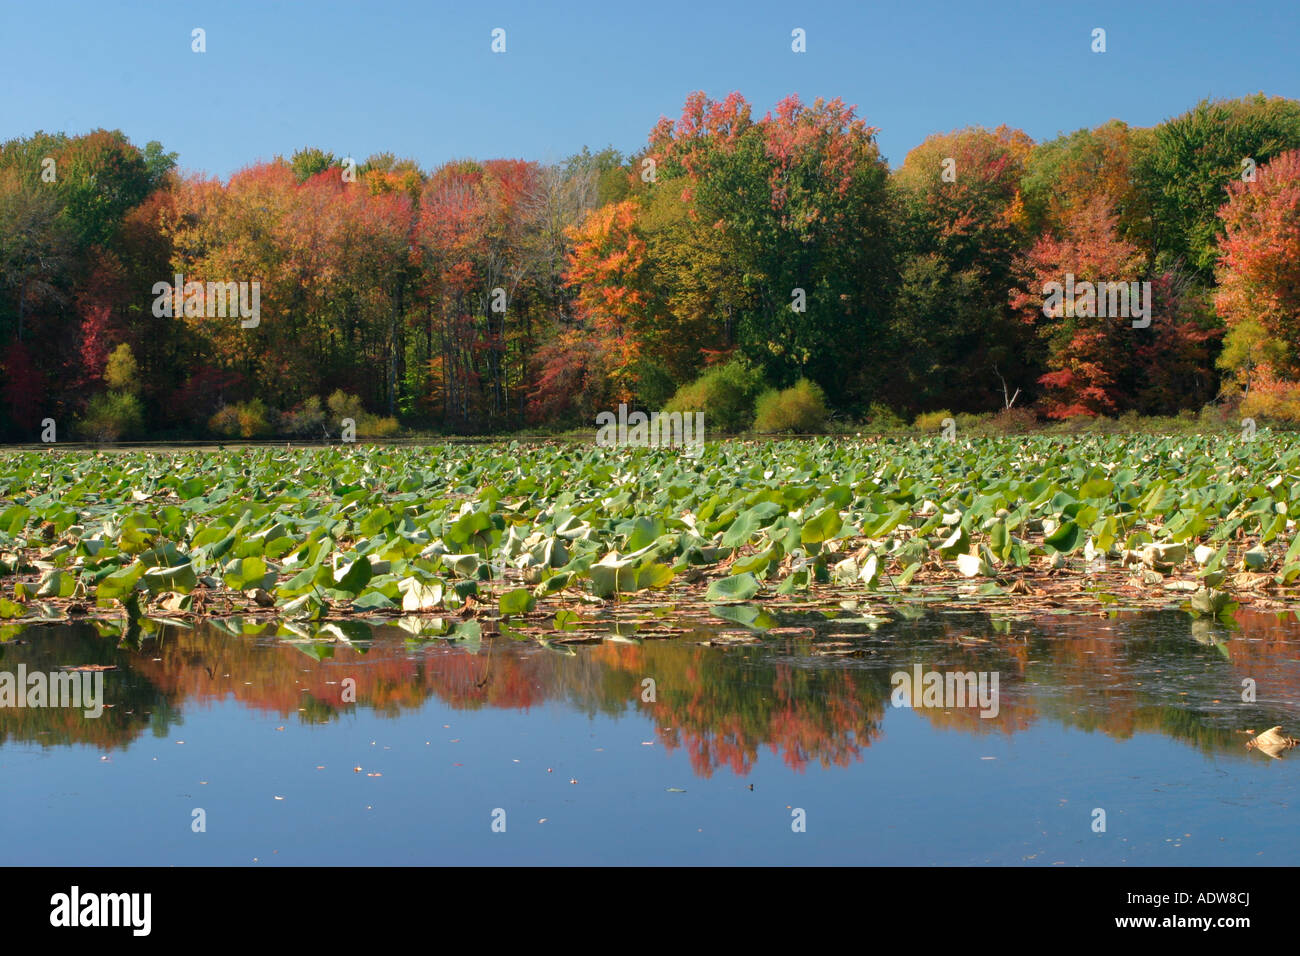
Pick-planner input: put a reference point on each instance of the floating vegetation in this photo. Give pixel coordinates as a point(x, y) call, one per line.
point(541, 539)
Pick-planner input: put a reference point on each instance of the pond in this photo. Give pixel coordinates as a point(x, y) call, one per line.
point(1115, 739)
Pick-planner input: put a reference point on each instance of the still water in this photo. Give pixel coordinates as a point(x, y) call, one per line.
point(1116, 740)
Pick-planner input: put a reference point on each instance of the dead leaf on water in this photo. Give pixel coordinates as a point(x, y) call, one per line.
point(1272, 742)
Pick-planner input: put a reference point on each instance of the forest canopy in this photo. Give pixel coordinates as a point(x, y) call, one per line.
point(732, 255)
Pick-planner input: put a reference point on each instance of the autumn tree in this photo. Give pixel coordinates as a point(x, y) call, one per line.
point(1087, 166)
point(1194, 157)
point(796, 204)
point(954, 338)
point(63, 202)
point(474, 229)
point(1100, 361)
point(611, 276)
point(331, 262)
point(1259, 271)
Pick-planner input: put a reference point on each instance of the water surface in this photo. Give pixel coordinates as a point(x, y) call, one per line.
point(1136, 714)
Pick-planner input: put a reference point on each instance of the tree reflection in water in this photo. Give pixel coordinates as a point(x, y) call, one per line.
point(1127, 673)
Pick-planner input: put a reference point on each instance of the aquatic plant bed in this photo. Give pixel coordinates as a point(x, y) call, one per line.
point(534, 539)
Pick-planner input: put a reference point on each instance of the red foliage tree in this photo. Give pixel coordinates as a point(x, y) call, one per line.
point(1100, 364)
point(1259, 269)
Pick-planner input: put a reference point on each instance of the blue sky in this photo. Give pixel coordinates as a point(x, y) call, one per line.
point(419, 79)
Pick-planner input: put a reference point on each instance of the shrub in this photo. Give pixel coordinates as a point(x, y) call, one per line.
point(882, 418)
point(372, 426)
point(225, 422)
point(1219, 416)
point(254, 422)
point(1272, 400)
point(1084, 425)
point(1014, 421)
point(112, 415)
point(725, 394)
point(836, 425)
point(973, 423)
point(249, 419)
point(306, 420)
point(342, 405)
point(931, 421)
point(801, 409)
point(1130, 421)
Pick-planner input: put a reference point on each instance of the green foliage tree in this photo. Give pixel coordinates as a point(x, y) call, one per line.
point(1190, 162)
point(796, 204)
point(309, 161)
point(952, 334)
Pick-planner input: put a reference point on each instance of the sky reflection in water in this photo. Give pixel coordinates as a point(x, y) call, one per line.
point(1137, 714)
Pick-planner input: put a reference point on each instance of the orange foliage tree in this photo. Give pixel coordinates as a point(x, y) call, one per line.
point(1259, 271)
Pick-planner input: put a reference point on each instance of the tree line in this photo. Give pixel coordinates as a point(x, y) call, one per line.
point(500, 294)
